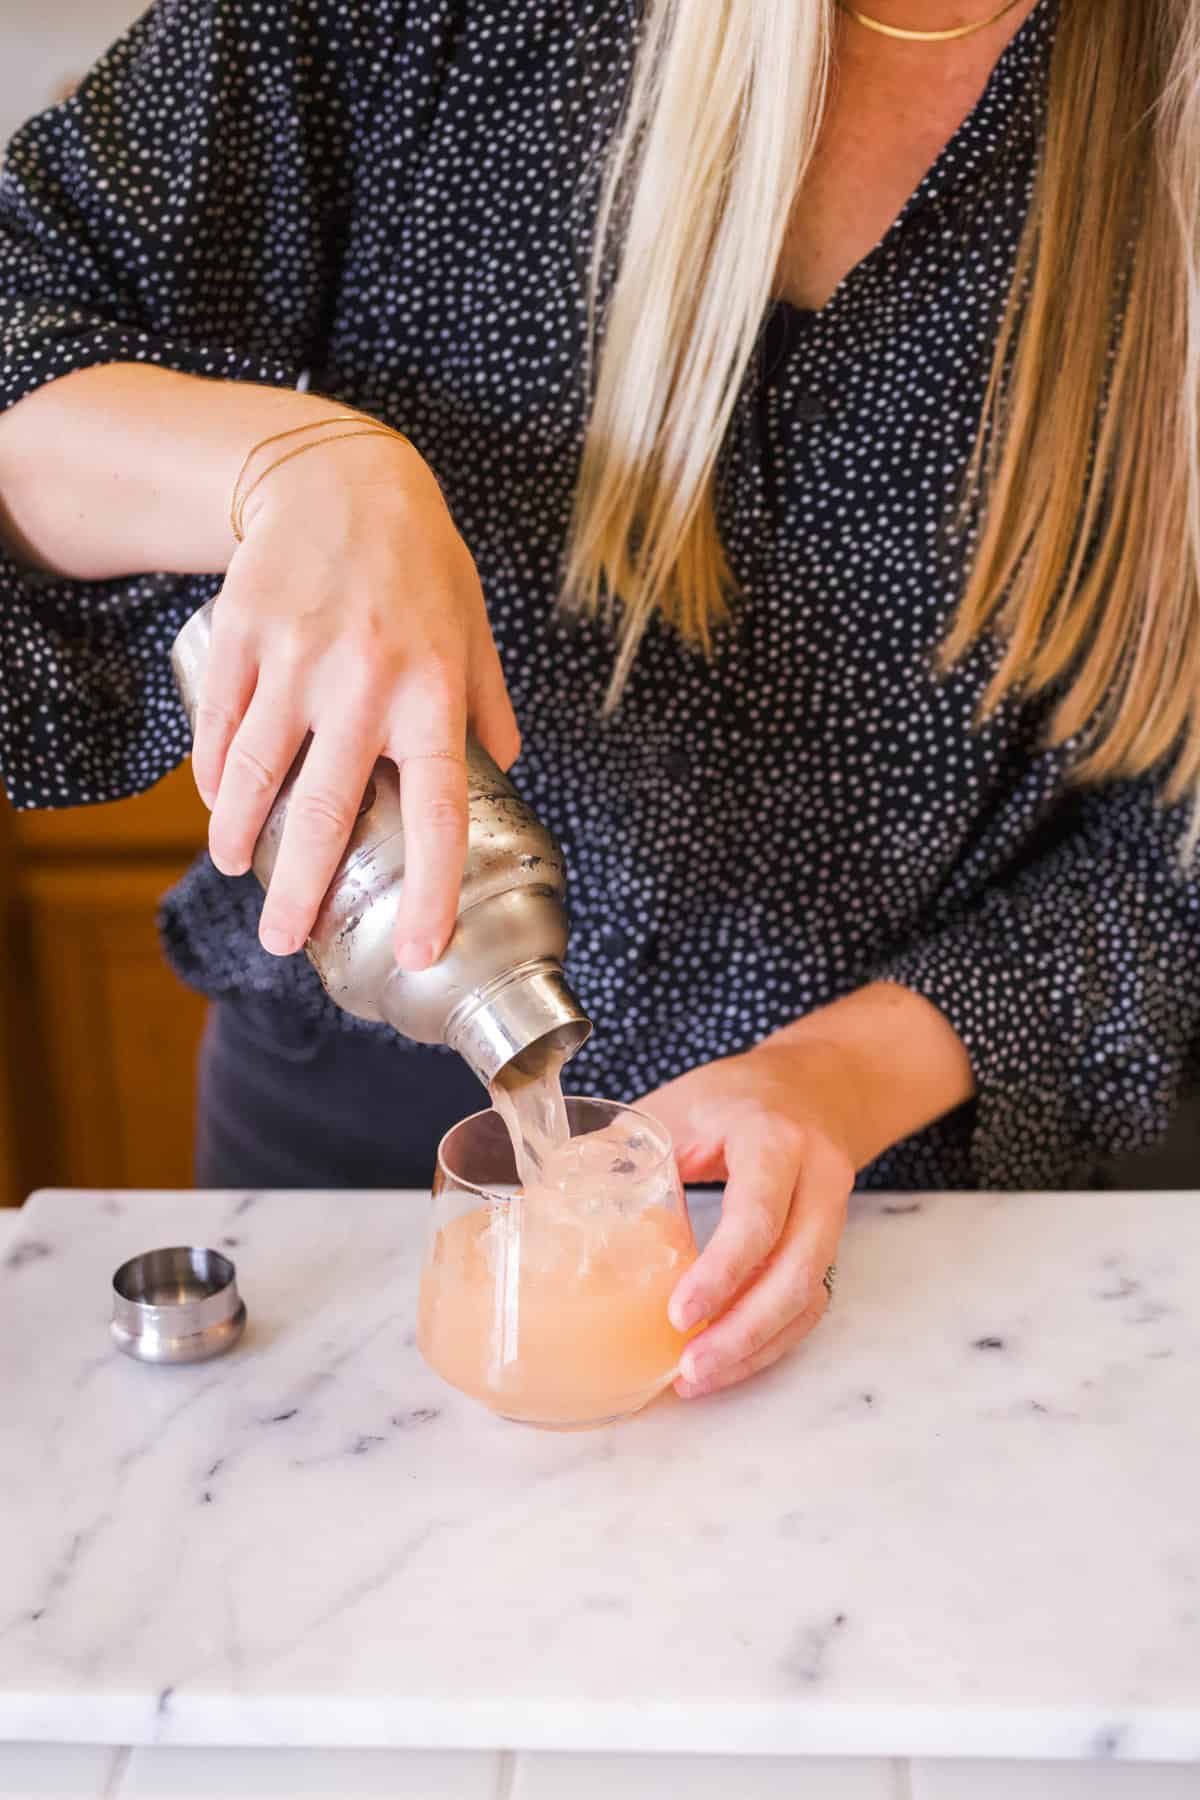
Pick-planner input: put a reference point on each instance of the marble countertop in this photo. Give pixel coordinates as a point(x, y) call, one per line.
point(962, 1521)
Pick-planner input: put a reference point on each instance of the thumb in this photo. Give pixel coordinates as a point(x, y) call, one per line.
point(699, 1151)
point(701, 1162)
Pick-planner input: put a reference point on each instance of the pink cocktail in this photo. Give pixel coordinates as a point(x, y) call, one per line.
point(549, 1303)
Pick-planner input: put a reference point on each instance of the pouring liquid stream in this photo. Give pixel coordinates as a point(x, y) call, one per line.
point(527, 1093)
point(563, 1176)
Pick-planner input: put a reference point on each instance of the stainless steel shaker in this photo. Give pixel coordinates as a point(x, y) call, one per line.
point(498, 992)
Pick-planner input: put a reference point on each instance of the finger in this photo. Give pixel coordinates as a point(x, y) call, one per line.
point(789, 1285)
point(433, 811)
point(226, 690)
point(492, 715)
point(259, 756)
point(322, 808)
point(778, 1346)
point(433, 808)
point(762, 1174)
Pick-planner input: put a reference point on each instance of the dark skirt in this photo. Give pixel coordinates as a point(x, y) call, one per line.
point(282, 1104)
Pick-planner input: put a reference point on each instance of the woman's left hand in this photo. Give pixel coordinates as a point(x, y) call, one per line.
point(776, 1125)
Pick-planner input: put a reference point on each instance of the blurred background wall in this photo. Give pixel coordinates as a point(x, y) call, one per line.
point(46, 44)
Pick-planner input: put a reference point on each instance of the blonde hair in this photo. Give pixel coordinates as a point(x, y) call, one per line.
point(1083, 498)
point(720, 123)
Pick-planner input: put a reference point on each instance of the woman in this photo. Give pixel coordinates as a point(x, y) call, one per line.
point(889, 354)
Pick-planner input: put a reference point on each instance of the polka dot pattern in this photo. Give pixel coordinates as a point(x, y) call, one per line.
point(399, 199)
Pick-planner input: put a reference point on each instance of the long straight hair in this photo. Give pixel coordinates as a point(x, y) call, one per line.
point(720, 124)
point(1083, 497)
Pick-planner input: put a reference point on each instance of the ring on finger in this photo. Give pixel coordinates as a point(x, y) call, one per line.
point(455, 756)
point(829, 1280)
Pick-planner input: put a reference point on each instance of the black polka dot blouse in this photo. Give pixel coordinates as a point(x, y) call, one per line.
point(398, 200)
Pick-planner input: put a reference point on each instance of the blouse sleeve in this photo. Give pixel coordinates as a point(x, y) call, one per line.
point(184, 208)
point(1076, 990)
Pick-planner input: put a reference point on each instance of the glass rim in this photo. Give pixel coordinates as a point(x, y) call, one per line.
point(664, 1142)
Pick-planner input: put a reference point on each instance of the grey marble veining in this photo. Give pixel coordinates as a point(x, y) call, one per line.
point(964, 1520)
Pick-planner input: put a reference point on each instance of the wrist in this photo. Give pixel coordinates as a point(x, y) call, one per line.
point(892, 1064)
point(324, 463)
point(831, 1082)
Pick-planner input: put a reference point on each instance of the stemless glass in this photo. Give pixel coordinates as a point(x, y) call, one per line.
point(551, 1307)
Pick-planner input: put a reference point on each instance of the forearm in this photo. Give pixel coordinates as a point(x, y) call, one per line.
point(126, 468)
point(897, 1064)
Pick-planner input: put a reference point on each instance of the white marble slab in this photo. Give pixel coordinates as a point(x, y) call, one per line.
point(909, 1541)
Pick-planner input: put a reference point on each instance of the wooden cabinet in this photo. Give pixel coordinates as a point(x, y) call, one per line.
point(99, 1038)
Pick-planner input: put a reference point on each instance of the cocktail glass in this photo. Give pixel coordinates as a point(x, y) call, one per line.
point(549, 1305)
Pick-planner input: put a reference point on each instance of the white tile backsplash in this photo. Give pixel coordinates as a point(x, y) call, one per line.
point(202, 1774)
point(85, 1772)
point(574, 1777)
point(957, 1780)
point(58, 1771)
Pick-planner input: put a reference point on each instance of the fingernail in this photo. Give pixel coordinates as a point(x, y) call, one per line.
point(228, 865)
point(695, 1367)
point(684, 1312)
point(276, 941)
point(414, 953)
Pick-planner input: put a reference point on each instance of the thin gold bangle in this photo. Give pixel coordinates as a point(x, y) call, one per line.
point(277, 437)
point(365, 428)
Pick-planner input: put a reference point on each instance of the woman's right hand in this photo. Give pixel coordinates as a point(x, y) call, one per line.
point(352, 609)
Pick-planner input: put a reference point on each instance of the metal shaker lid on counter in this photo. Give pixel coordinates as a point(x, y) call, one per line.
point(179, 1305)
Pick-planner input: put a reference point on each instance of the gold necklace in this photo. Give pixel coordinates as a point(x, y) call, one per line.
point(926, 37)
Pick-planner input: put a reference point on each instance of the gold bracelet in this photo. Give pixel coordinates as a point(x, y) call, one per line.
point(364, 427)
point(277, 437)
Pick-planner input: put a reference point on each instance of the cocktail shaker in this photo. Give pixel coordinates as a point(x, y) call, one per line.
point(498, 993)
